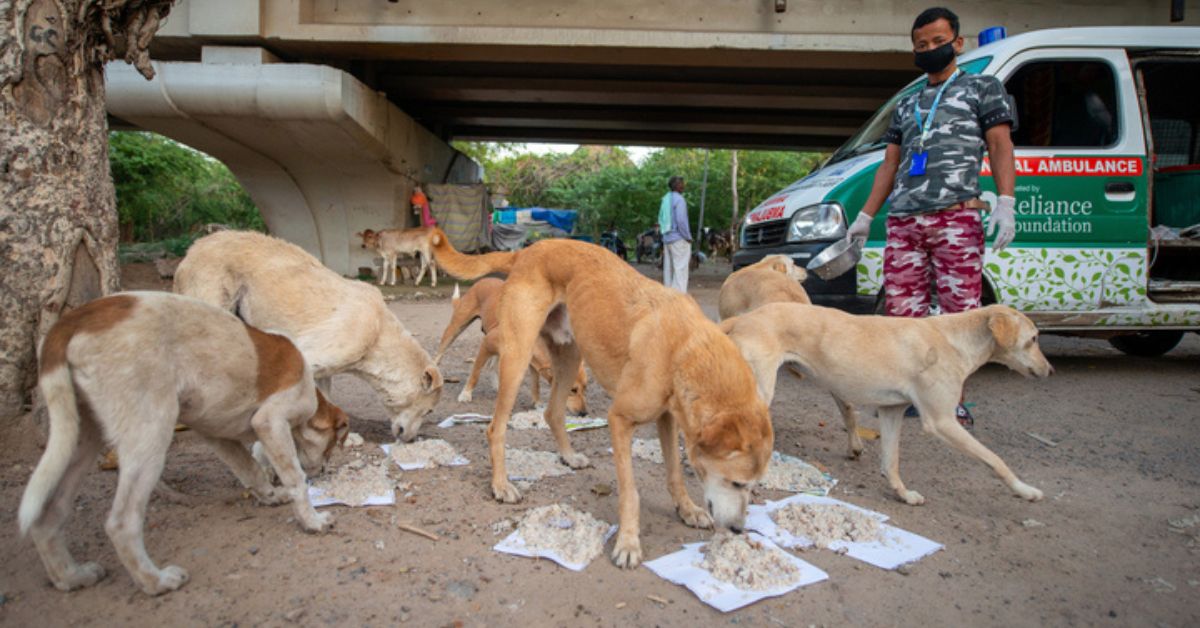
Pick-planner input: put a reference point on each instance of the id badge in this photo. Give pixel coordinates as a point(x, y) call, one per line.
point(918, 164)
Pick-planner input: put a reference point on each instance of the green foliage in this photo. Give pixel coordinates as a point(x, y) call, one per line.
point(164, 189)
point(608, 188)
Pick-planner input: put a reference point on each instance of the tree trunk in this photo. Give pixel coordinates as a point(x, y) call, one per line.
point(58, 217)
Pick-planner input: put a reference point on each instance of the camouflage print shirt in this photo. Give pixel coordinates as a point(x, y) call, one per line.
point(970, 106)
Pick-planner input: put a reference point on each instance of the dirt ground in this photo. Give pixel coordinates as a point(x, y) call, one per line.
point(1097, 551)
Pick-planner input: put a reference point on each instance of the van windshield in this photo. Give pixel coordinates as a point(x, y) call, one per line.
point(870, 136)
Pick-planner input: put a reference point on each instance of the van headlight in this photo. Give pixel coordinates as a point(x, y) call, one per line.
point(825, 221)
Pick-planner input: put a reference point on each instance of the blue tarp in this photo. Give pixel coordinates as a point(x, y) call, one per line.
point(559, 218)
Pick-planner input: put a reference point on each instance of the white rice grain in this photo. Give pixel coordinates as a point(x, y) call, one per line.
point(533, 465)
point(576, 536)
point(354, 484)
point(825, 523)
point(746, 564)
point(432, 452)
point(788, 473)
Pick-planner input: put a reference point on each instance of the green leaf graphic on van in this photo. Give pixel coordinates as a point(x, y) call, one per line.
point(1051, 279)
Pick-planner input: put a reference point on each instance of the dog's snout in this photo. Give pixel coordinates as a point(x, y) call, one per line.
point(735, 529)
point(399, 430)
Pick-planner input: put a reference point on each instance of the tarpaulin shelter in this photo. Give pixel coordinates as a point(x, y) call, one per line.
point(462, 212)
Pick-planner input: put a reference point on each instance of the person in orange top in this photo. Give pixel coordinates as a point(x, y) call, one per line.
point(420, 200)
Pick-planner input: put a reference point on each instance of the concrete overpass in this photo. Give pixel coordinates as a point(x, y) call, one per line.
point(338, 106)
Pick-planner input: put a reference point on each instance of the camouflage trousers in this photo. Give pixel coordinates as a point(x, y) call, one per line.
point(943, 248)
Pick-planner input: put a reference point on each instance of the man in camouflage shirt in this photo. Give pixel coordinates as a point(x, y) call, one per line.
point(930, 173)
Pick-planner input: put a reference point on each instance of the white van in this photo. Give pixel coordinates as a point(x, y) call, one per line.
point(1108, 185)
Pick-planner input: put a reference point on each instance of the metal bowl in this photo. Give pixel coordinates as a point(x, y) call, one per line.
point(836, 259)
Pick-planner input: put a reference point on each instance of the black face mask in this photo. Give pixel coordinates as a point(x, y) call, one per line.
point(936, 59)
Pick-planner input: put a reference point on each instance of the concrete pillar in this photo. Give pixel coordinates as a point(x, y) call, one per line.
point(321, 154)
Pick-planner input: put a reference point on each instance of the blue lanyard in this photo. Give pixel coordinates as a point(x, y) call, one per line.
point(927, 125)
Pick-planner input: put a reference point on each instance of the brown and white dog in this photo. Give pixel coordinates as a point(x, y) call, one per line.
point(392, 243)
point(480, 302)
point(124, 369)
point(656, 354)
point(891, 362)
point(340, 325)
point(773, 279)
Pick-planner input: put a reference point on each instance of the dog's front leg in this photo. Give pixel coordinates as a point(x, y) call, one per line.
point(668, 439)
point(272, 428)
point(890, 420)
point(247, 470)
point(627, 552)
point(946, 427)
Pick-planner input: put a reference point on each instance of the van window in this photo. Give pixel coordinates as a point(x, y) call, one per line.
point(1172, 91)
point(1063, 103)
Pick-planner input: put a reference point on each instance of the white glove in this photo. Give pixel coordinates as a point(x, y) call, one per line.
point(860, 228)
point(1002, 222)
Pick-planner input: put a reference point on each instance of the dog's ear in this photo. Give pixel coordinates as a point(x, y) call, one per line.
point(431, 379)
point(722, 435)
point(1004, 328)
point(780, 265)
point(326, 417)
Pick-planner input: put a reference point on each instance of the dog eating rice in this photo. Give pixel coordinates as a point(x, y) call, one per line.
point(354, 484)
point(575, 536)
point(431, 452)
point(746, 564)
point(827, 523)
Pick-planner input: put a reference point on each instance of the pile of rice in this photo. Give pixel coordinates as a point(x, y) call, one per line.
point(432, 452)
point(826, 523)
point(354, 484)
point(647, 449)
point(576, 536)
point(746, 564)
point(788, 473)
point(533, 465)
point(528, 420)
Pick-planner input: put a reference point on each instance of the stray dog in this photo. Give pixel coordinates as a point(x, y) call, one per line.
point(721, 243)
point(124, 369)
point(340, 325)
point(889, 363)
point(480, 302)
point(652, 349)
point(773, 279)
point(392, 243)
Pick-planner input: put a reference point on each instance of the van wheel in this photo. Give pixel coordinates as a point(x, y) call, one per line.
point(1146, 344)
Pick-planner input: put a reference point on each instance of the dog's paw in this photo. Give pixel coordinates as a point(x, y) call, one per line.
point(317, 523)
point(1025, 491)
point(506, 492)
point(576, 460)
point(627, 553)
point(695, 517)
point(80, 576)
point(464, 396)
point(170, 578)
point(912, 498)
point(274, 496)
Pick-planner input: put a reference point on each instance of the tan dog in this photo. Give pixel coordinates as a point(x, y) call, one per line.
point(773, 279)
point(480, 302)
point(392, 243)
point(889, 363)
point(655, 353)
point(340, 325)
point(124, 369)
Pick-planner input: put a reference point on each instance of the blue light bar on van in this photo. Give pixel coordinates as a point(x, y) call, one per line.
point(991, 34)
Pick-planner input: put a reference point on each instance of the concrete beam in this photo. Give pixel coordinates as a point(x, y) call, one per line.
point(322, 155)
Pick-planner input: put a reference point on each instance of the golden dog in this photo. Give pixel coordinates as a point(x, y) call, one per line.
point(889, 363)
point(773, 279)
point(655, 353)
point(480, 302)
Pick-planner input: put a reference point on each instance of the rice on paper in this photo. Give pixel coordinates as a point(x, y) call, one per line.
point(748, 564)
point(431, 452)
point(824, 524)
point(572, 535)
point(524, 464)
point(354, 485)
point(789, 473)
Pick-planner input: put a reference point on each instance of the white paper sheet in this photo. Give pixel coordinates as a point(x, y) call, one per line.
point(896, 547)
point(413, 466)
point(515, 545)
point(573, 424)
point(318, 498)
point(683, 567)
point(464, 419)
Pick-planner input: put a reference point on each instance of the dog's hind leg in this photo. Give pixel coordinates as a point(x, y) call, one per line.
point(945, 426)
point(247, 470)
point(564, 360)
point(46, 532)
point(854, 444)
point(481, 359)
point(668, 439)
point(890, 420)
point(423, 261)
point(142, 454)
point(522, 312)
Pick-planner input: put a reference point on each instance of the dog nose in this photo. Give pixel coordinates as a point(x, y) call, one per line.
point(399, 430)
point(735, 529)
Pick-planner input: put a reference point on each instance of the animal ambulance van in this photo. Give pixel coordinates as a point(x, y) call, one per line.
point(1107, 147)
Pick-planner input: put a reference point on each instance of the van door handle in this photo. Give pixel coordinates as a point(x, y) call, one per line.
point(1118, 187)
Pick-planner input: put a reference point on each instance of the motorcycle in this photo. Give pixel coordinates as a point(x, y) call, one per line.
point(649, 246)
point(612, 241)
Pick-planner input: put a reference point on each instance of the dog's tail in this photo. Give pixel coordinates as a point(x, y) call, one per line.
point(468, 266)
point(59, 392)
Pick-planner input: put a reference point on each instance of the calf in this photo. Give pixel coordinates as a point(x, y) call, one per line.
point(391, 243)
